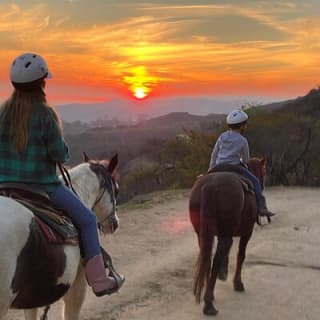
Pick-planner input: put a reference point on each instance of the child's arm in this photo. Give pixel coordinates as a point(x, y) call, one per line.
point(214, 154)
point(245, 155)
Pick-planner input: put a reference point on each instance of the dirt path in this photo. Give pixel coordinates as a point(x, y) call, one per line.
point(156, 249)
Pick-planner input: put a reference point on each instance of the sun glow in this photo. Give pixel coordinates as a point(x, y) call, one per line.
point(140, 93)
point(140, 81)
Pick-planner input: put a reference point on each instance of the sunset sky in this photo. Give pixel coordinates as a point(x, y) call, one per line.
point(98, 50)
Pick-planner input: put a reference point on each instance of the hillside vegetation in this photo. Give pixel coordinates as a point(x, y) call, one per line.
point(132, 141)
point(170, 151)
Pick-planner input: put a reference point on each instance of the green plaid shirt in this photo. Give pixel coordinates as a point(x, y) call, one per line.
point(46, 147)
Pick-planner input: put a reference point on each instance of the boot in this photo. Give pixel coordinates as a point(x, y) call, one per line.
point(263, 210)
point(97, 277)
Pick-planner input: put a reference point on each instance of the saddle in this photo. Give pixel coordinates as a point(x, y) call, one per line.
point(54, 224)
point(225, 167)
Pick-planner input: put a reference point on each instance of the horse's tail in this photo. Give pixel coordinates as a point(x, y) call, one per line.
point(206, 238)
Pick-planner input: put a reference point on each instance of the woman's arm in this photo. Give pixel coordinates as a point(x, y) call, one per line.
point(57, 149)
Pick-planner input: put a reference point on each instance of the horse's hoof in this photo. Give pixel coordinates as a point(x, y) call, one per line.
point(223, 276)
point(209, 309)
point(239, 287)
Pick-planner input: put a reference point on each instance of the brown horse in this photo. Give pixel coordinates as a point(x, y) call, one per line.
point(220, 205)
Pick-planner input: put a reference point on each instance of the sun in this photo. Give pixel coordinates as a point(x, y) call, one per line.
point(140, 93)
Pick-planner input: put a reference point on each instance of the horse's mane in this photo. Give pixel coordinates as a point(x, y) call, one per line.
point(84, 181)
point(78, 170)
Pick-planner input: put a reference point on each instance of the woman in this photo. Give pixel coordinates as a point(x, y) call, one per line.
point(31, 146)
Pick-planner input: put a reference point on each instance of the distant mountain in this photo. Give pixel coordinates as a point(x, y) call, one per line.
point(308, 104)
point(180, 120)
point(132, 110)
point(130, 140)
point(275, 105)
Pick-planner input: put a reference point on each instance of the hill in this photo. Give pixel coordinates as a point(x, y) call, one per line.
point(289, 134)
point(304, 105)
point(131, 141)
point(181, 120)
point(125, 110)
point(172, 149)
point(308, 105)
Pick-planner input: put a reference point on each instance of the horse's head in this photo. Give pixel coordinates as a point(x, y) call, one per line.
point(258, 167)
point(105, 206)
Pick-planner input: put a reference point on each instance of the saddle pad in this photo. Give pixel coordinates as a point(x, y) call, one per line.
point(53, 236)
point(225, 167)
point(246, 183)
point(48, 215)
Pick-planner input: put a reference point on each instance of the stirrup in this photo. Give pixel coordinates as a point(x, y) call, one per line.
point(120, 279)
point(267, 213)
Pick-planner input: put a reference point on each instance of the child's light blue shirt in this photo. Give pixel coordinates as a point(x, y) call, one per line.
point(231, 147)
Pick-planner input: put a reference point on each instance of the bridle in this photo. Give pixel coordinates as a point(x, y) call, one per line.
point(106, 184)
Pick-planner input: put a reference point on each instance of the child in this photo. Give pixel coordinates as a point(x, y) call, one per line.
point(233, 148)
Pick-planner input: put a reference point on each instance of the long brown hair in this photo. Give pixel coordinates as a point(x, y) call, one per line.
point(16, 111)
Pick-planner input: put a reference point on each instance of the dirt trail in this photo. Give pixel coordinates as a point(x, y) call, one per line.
point(156, 249)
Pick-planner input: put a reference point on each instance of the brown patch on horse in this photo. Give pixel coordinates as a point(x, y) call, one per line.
point(39, 266)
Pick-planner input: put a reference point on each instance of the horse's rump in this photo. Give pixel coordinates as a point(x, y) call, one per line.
point(32, 269)
point(39, 266)
point(221, 202)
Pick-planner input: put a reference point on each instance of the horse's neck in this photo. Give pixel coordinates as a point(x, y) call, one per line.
point(85, 183)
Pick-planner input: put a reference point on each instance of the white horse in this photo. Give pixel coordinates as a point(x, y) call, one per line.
point(32, 277)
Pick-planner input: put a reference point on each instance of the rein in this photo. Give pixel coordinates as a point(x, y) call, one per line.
point(66, 177)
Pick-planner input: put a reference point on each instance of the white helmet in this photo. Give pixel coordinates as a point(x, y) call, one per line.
point(28, 67)
point(237, 117)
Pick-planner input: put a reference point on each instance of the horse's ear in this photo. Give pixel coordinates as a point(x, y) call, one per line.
point(113, 163)
point(85, 157)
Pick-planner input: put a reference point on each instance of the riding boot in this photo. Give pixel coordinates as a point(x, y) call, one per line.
point(97, 277)
point(263, 210)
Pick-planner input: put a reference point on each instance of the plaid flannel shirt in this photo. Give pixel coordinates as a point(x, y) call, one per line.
point(37, 164)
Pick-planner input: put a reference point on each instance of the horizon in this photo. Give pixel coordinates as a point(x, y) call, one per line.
point(128, 111)
point(143, 52)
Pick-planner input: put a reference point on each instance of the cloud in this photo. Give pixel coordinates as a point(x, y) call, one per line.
point(185, 44)
point(13, 18)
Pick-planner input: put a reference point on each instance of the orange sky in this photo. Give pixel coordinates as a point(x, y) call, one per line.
point(98, 50)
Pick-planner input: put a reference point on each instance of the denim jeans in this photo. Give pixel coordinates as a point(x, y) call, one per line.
point(82, 217)
point(255, 181)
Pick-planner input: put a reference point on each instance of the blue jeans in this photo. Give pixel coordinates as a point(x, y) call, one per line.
point(255, 181)
point(82, 217)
